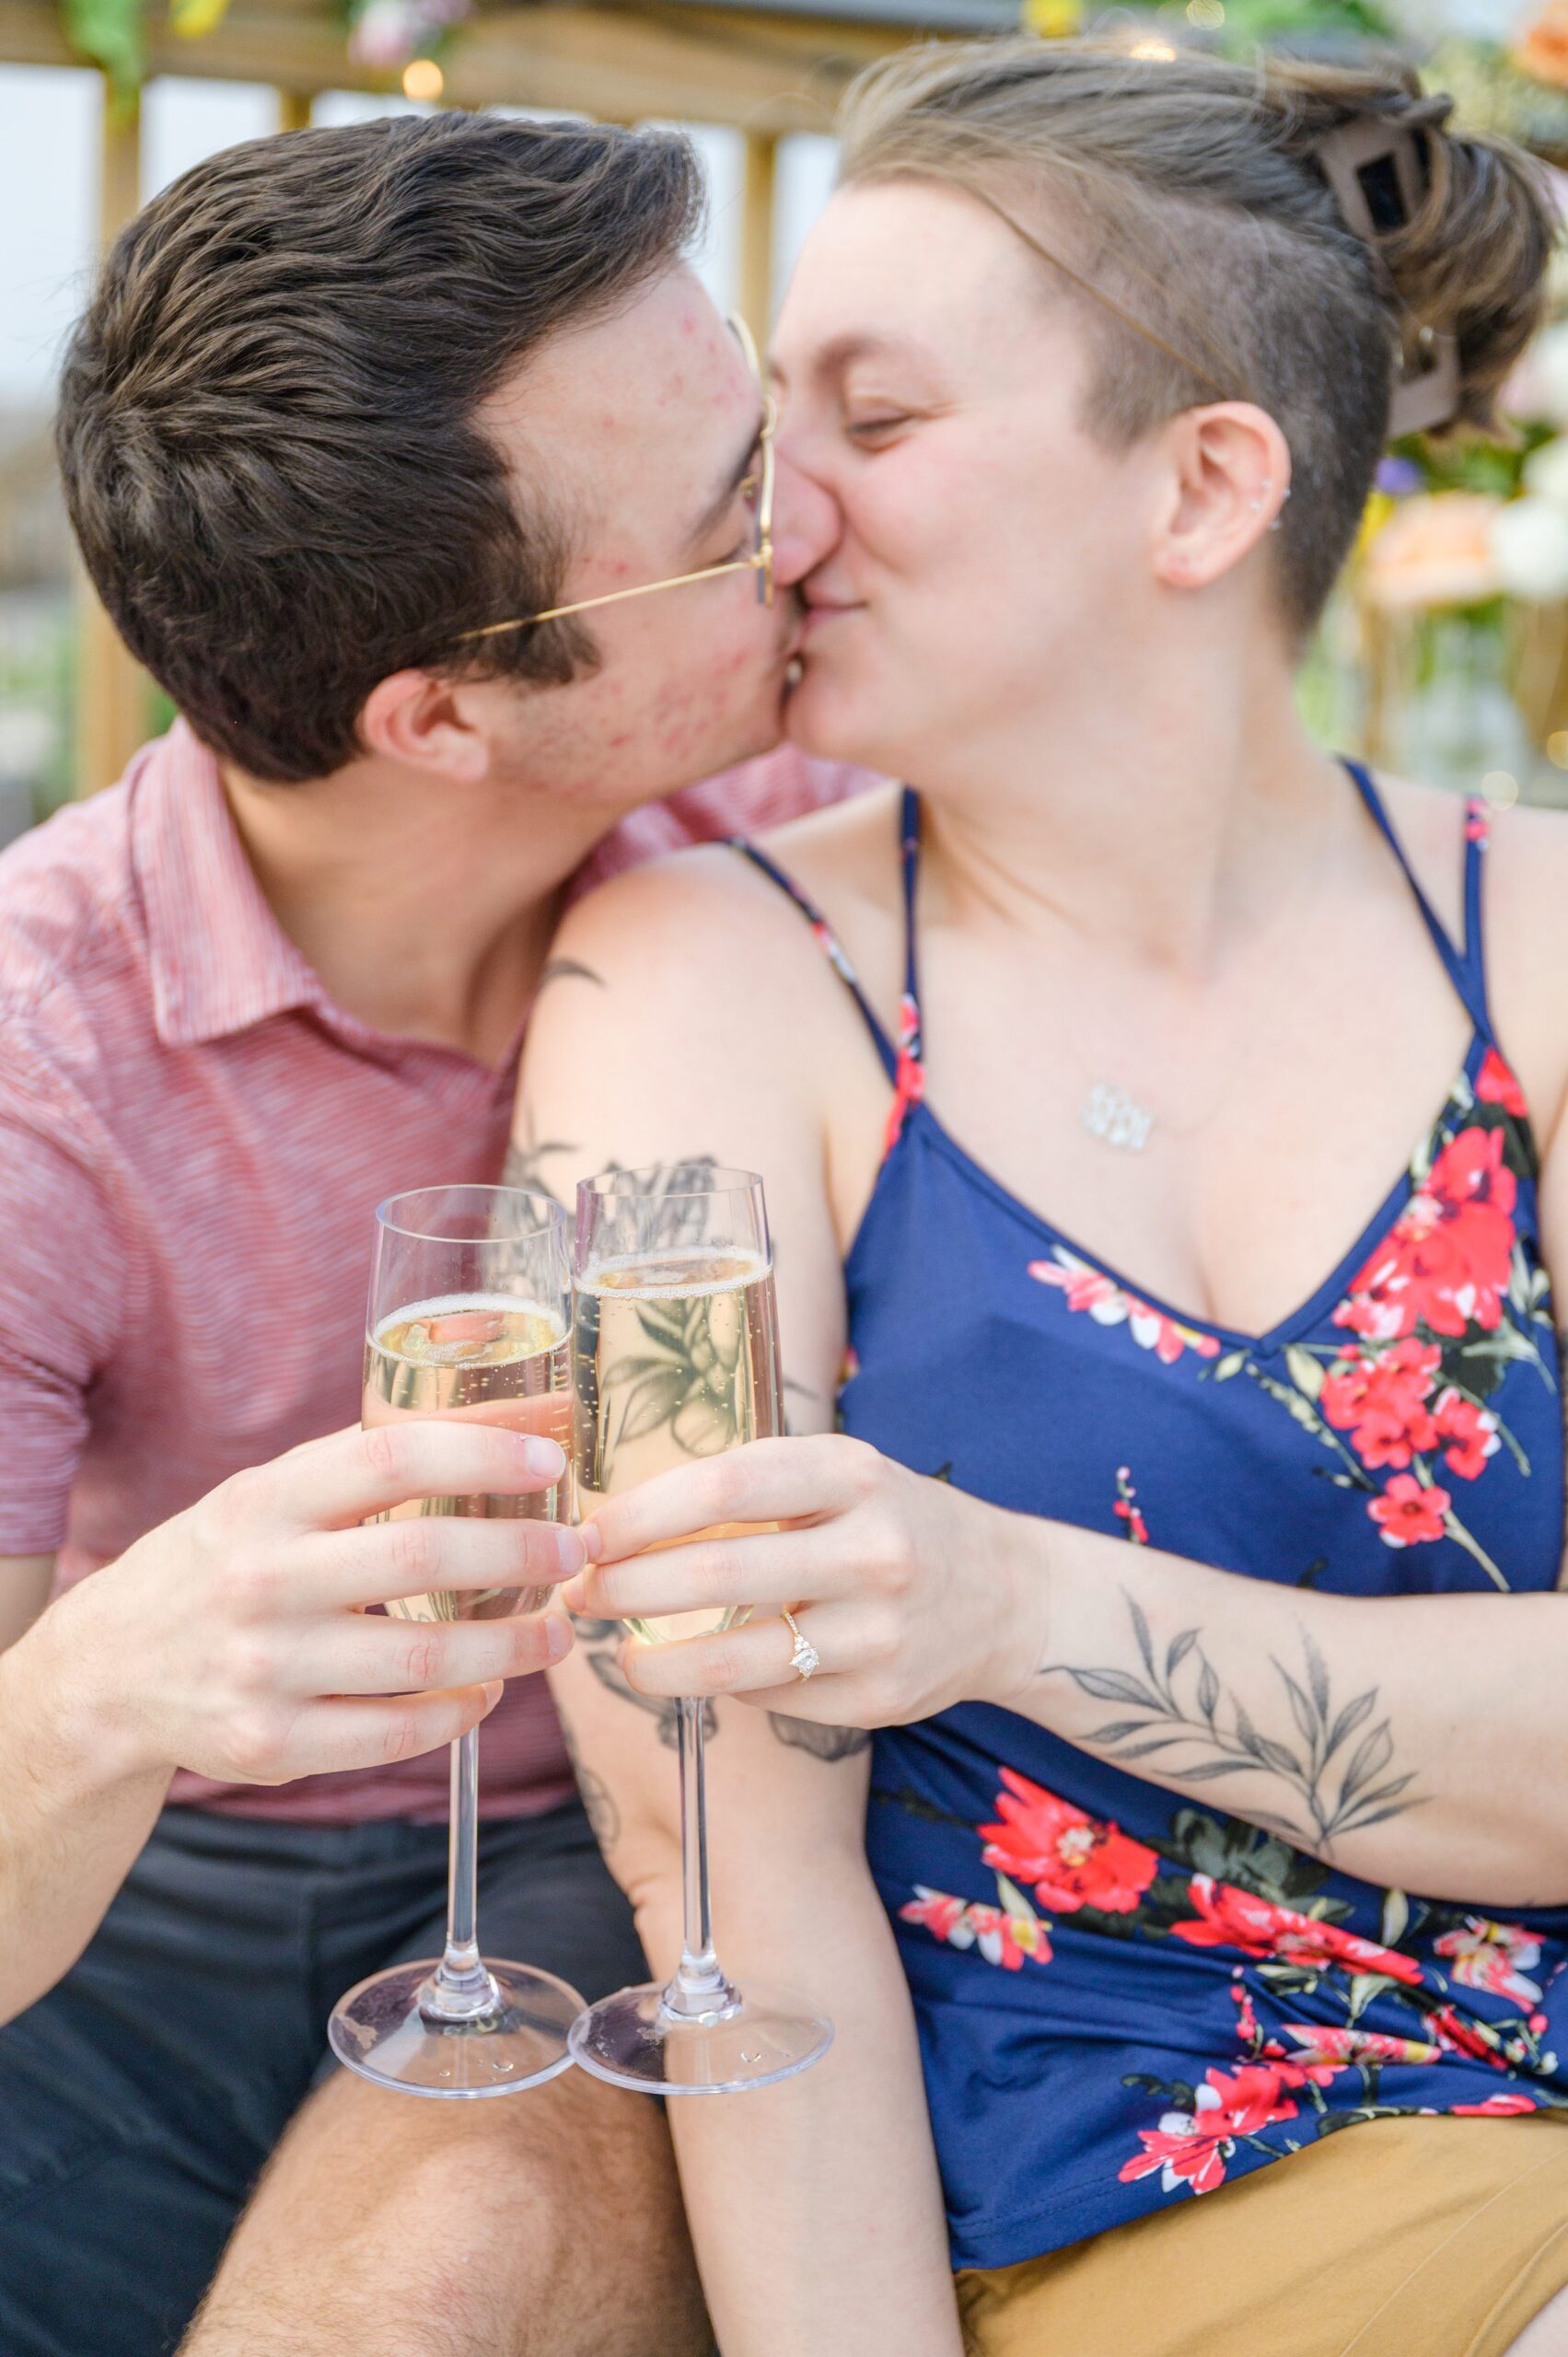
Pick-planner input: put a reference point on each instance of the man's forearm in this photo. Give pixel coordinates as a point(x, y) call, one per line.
point(76, 1804)
point(1414, 1741)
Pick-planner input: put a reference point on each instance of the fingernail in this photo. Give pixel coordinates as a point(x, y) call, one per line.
point(570, 1552)
point(593, 1541)
point(546, 1456)
point(493, 1690)
point(558, 1635)
point(573, 1596)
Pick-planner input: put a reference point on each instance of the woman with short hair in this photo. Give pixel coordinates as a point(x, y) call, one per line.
point(1168, 1145)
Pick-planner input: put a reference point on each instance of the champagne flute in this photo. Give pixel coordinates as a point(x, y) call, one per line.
point(675, 1356)
point(469, 1309)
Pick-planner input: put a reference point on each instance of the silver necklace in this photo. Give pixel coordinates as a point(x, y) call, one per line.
point(1116, 1118)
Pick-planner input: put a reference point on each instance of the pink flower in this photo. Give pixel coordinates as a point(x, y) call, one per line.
point(1109, 1304)
point(1495, 1085)
point(1483, 1955)
point(1406, 1514)
point(1494, 2107)
point(1002, 1938)
point(1192, 2148)
point(1444, 1263)
point(1072, 1860)
point(1128, 1510)
point(909, 1078)
point(1468, 1434)
point(1380, 1401)
point(1320, 2044)
point(1228, 1917)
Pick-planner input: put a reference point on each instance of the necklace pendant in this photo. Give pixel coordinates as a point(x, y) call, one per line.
point(1110, 1114)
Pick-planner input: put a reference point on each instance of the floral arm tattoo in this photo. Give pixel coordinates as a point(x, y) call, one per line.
point(600, 1640)
point(1329, 1780)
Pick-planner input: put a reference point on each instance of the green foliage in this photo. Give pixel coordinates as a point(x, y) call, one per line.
point(1248, 22)
point(108, 33)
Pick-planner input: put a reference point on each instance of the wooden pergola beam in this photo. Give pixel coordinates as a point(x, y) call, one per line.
point(764, 74)
point(113, 697)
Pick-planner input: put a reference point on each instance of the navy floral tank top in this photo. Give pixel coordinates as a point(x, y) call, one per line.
point(1124, 1999)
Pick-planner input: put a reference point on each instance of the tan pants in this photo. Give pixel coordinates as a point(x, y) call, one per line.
point(1419, 2237)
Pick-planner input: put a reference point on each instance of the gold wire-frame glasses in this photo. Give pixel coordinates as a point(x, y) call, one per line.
point(758, 487)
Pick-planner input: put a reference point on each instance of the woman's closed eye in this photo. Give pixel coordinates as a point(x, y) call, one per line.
point(883, 423)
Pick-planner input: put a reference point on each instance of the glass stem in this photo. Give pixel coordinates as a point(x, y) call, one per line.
point(461, 1990)
point(700, 1988)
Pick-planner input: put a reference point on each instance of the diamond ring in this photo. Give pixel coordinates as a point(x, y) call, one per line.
point(806, 1660)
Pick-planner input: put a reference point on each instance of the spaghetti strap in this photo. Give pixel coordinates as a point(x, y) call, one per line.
point(901, 1060)
point(1466, 966)
point(827, 941)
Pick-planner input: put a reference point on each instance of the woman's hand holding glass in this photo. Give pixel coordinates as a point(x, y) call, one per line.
point(913, 1595)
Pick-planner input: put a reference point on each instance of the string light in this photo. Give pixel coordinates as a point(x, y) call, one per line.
point(1159, 51)
point(1501, 789)
point(1557, 749)
point(423, 78)
point(1207, 15)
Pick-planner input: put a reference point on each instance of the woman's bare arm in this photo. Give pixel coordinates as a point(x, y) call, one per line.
point(815, 2205)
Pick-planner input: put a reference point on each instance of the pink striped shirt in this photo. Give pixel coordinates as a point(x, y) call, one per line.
point(193, 1138)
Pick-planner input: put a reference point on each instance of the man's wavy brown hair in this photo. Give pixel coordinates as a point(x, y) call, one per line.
point(267, 415)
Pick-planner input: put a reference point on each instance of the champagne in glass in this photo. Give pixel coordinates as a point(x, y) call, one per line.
point(675, 1357)
point(492, 1360)
point(468, 1319)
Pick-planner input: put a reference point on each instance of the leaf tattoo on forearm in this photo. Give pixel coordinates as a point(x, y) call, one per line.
point(815, 1736)
point(1336, 1775)
point(661, 1707)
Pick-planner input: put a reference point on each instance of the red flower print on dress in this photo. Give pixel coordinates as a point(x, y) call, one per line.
point(1317, 2043)
point(1381, 1401)
point(1228, 1917)
point(1002, 1938)
point(1495, 1956)
point(1192, 2148)
point(1406, 1514)
point(1072, 1860)
point(1444, 1263)
point(1469, 1433)
point(1478, 2040)
point(1495, 1085)
point(1109, 1304)
point(909, 1076)
point(1127, 1509)
point(1494, 2107)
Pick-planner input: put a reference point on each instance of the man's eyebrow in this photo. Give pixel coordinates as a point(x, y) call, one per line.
point(721, 500)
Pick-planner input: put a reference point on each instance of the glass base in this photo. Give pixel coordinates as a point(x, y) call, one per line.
point(383, 2030)
point(633, 2040)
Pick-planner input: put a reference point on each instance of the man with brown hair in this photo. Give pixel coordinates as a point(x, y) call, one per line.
point(352, 416)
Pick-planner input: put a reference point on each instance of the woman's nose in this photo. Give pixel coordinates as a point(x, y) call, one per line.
point(806, 524)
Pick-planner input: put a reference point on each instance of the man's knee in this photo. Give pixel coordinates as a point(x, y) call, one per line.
point(550, 2223)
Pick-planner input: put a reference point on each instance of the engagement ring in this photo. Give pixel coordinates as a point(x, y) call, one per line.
point(806, 1660)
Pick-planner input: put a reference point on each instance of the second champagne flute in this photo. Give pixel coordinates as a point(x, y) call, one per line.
point(675, 1356)
point(469, 1311)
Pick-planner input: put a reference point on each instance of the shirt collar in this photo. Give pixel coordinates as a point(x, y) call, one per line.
point(219, 960)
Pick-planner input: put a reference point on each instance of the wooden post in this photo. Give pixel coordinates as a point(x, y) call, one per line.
point(757, 233)
point(113, 693)
point(294, 109)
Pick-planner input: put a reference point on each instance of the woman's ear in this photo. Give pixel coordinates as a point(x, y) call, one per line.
point(422, 722)
point(1228, 479)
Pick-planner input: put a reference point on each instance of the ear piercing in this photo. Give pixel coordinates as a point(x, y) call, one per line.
point(1258, 504)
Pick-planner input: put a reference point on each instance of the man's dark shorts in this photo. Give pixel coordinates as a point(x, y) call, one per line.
point(139, 2100)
